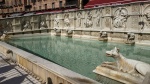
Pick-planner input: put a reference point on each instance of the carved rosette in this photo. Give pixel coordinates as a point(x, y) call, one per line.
point(120, 18)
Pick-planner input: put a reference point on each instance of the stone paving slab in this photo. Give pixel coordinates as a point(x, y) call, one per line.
point(10, 73)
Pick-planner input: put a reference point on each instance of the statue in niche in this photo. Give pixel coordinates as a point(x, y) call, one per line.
point(56, 21)
point(79, 15)
point(9, 26)
point(26, 24)
point(66, 20)
point(147, 17)
point(98, 14)
point(43, 22)
point(89, 22)
point(120, 18)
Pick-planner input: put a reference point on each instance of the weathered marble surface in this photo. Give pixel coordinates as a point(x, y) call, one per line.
point(133, 17)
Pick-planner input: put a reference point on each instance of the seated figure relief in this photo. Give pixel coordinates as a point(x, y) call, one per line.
point(130, 66)
point(27, 25)
point(120, 18)
point(43, 23)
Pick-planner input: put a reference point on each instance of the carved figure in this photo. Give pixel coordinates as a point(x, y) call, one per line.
point(27, 25)
point(120, 18)
point(79, 15)
point(133, 67)
point(9, 26)
point(89, 22)
point(66, 20)
point(56, 21)
point(98, 18)
point(43, 23)
point(147, 18)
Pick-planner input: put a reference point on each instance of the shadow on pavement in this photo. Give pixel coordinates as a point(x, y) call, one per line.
point(15, 80)
point(2, 78)
point(6, 68)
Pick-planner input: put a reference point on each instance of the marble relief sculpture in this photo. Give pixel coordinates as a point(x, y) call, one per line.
point(43, 23)
point(26, 24)
point(79, 18)
point(120, 18)
point(147, 17)
point(9, 26)
point(89, 22)
point(98, 13)
point(56, 21)
point(66, 20)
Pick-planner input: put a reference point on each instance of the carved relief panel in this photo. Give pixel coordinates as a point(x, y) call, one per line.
point(88, 19)
point(8, 25)
point(146, 18)
point(68, 20)
point(79, 19)
point(106, 23)
point(97, 16)
point(134, 20)
point(56, 20)
point(43, 22)
point(120, 18)
point(26, 23)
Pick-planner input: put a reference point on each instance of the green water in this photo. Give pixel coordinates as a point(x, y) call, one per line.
point(79, 55)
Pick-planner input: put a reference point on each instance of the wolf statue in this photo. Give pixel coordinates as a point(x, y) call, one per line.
point(133, 67)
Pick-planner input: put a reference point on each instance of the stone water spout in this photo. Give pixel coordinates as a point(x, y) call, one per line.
point(130, 38)
point(103, 36)
point(57, 30)
point(69, 31)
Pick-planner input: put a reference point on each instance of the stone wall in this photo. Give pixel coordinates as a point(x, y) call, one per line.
point(116, 20)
